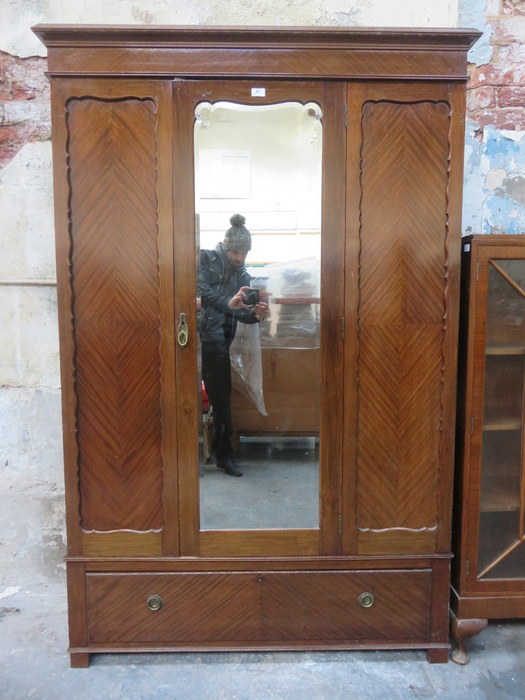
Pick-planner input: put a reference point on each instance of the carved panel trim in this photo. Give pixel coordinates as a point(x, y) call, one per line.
point(397, 328)
point(113, 263)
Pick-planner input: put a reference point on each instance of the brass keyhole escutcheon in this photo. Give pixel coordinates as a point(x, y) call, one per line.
point(182, 331)
point(154, 602)
point(366, 600)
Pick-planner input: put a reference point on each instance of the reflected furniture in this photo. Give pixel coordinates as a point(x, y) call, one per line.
point(143, 575)
point(290, 392)
point(489, 565)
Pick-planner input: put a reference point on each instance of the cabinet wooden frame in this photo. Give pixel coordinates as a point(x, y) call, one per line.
point(476, 598)
point(389, 302)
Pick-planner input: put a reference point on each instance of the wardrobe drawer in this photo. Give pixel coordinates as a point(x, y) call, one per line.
point(193, 607)
point(261, 606)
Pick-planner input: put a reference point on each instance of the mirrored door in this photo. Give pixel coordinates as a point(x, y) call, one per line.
point(266, 285)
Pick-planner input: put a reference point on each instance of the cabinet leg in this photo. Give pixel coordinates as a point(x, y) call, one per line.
point(79, 660)
point(437, 656)
point(461, 631)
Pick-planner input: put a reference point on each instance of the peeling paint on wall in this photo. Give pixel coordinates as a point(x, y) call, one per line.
point(471, 13)
point(496, 91)
point(24, 104)
point(494, 196)
point(494, 190)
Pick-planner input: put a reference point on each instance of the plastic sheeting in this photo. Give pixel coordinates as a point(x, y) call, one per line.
point(292, 291)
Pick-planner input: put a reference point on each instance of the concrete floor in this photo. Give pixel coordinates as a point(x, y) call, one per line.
point(33, 640)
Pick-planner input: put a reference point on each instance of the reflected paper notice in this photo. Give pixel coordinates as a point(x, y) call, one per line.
point(227, 173)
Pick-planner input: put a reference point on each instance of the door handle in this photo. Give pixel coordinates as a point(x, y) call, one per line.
point(182, 331)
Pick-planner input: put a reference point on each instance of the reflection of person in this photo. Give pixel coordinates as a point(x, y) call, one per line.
point(223, 281)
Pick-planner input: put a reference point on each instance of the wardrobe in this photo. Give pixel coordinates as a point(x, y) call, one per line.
point(159, 135)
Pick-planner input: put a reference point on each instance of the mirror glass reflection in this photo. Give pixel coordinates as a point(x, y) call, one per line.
point(258, 223)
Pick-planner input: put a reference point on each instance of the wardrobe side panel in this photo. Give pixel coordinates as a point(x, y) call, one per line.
point(112, 149)
point(114, 259)
point(404, 178)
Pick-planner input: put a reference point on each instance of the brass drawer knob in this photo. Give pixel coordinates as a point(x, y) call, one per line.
point(154, 602)
point(366, 600)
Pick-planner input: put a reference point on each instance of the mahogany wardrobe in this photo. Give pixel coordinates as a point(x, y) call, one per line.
point(343, 148)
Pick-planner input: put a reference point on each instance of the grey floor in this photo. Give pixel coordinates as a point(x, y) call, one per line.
point(279, 487)
point(33, 622)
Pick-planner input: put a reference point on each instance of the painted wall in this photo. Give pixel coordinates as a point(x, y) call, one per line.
point(494, 195)
point(31, 482)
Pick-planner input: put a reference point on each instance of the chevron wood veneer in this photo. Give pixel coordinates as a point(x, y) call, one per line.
point(115, 281)
point(402, 266)
point(257, 606)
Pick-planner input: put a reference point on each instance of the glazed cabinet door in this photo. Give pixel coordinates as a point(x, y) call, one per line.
point(272, 151)
point(496, 536)
point(404, 166)
point(112, 153)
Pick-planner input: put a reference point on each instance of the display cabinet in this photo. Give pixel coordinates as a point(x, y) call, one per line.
point(341, 145)
point(489, 568)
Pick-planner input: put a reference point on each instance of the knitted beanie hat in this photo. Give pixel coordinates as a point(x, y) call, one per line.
point(237, 237)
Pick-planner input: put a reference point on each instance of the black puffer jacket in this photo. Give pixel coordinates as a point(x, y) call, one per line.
point(218, 282)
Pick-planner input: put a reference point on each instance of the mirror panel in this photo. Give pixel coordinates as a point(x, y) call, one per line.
point(258, 386)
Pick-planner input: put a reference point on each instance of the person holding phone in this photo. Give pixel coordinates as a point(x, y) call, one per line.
point(226, 299)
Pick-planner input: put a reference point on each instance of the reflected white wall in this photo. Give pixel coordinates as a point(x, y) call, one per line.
point(264, 162)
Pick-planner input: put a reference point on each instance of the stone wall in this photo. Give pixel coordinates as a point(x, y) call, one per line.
point(24, 104)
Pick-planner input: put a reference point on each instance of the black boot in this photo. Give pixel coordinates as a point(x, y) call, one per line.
point(229, 467)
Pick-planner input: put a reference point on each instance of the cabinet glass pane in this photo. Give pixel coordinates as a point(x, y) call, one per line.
point(260, 382)
point(501, 524)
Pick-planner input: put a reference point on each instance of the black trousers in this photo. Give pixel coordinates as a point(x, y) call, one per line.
point(216, 375)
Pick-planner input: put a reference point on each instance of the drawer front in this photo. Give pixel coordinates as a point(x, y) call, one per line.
point(195, 607)
point(250, 607)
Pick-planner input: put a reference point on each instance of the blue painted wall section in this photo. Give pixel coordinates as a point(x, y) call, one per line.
point(494, 188)
point(471, 14)
point(494, 194)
